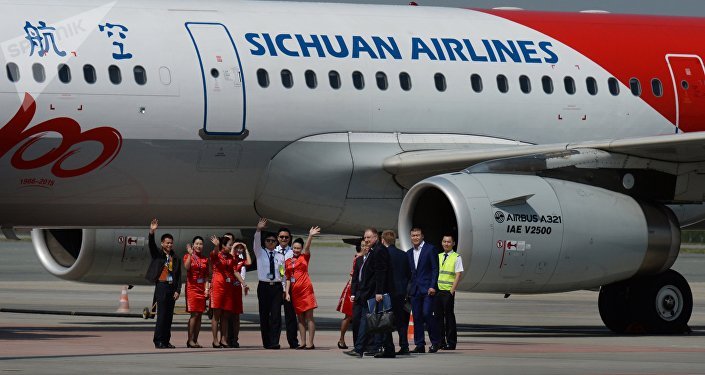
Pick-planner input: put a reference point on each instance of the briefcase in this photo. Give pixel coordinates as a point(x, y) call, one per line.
point(380, 318)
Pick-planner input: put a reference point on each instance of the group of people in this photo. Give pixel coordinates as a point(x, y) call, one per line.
point(421, 281)
point(219, 279)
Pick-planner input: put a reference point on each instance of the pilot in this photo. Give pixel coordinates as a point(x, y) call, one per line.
point(165, 272)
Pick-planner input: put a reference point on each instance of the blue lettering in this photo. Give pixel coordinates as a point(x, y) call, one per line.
point(382, 46)
point(528, 51)
point(315, 43)
point(453, 47)
point(471, 50)
point(280, 44)
point(341, 43)
point(502, 49)
point(553, 57)
point(439, 50)
point(490, 51)
point(419, 47)
point(259, 49)
point(360, 45)
point(270, 44)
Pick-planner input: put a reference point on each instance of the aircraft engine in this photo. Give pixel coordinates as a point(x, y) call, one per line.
point(107, 256)
point(530, 234)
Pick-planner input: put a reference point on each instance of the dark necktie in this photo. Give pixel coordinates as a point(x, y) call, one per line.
point(445, 256)
point(271, 265)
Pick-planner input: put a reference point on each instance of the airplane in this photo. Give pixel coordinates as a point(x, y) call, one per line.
point(564, 149)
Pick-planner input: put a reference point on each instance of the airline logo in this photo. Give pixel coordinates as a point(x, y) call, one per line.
point(388, 47)
point(16, 132)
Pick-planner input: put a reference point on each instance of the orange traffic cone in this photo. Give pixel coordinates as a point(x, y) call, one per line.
point(410, 331)
point(124, 306)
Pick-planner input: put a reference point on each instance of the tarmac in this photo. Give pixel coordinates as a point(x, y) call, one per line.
point(540, 334)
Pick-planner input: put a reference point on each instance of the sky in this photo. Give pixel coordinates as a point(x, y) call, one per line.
point(663, 7)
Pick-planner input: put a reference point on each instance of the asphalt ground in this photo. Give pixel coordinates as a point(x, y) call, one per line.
point(542, 334)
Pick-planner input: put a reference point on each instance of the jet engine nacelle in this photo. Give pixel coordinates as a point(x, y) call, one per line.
point(529, 234)
point(108, 256)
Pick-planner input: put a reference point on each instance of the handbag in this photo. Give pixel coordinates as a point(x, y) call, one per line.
point(380, 318)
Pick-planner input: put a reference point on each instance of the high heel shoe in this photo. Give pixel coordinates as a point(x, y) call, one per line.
point(216, 345)
point(224, 345)
point(341, 345)
point(310, 347)
point(189, 345)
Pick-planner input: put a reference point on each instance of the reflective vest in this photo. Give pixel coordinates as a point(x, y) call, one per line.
point(446, 275)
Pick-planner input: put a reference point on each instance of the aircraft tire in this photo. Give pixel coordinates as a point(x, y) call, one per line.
point(613, 304)
point(664, 303)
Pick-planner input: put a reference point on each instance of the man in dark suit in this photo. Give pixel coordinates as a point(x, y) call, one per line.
point(165, 272)
point(373, 281)
point(423, 261)
point(401, 273)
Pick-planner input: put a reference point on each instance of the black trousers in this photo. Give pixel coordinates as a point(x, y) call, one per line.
point(402, 320)
point(164, 297)
point(445, 315)
point(270, 298)
point(292, 330)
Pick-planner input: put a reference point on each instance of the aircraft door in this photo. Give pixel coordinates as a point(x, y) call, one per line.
point(223, 82)
point(688, 73)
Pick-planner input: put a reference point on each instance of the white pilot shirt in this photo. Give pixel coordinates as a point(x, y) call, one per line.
point(262, 256)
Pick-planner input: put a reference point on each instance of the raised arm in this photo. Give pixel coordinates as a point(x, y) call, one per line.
point(248, 259)
point(257, 241)
point(187, 262)
point(153, 250)
point(312, 232)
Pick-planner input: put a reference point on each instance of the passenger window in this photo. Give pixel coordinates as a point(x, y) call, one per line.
point(64, 73)
point(334, 79)
point(405, 81)
point(476, 82)
point(656, 87)
point(114, 74)
point(613, 86)
point(525, 84)
point(440, 81)
point(547, 84)
point(89, 73)
point(38, 72)
point(635, 86)
point(13, 72)
point(569, 84)
point(358, 80)
point(287, 79)
point(310, 77)
point(140, 75)
point(381, 78)
point(262, 78)
point(502, 83)
point(591, 85)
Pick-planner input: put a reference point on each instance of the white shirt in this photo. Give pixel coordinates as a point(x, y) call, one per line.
point(458, 263)
point(287, 253)
point(262, 256)
point(417, 253)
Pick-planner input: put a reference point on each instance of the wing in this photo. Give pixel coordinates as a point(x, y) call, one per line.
point(666, 168)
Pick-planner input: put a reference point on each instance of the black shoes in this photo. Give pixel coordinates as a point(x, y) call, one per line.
point(433, 349)
point(162, 345)
point(341, 345)
point(448, 347)
point(419, 349)
point(385, 354)
point(274, 347)
point(404, 351)
point(353, 353)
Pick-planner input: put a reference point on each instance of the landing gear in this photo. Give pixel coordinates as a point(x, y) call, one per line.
point(652, 304)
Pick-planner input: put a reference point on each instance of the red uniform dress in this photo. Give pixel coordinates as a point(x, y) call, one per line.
point(237, 287)
point(222, 289)
point(296, 270)
point(196, 283)
point(345, 306)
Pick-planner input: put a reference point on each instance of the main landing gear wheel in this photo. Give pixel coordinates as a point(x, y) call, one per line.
point(653, 304)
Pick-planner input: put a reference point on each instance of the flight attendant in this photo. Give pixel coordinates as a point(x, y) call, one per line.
point(242, 261)
point(222, 290)
point(299, 288)
point(197, 288)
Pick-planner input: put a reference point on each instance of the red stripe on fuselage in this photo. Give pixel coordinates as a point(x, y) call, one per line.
point(629, 46)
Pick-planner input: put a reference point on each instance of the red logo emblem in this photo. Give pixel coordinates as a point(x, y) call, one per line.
point(16, 132)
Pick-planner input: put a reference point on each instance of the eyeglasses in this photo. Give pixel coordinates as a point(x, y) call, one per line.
point(284, 237)
point(270, 240)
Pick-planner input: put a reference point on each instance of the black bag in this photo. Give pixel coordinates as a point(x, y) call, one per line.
point(380, 319)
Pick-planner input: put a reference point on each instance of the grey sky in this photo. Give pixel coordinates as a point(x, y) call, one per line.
point(665, 7)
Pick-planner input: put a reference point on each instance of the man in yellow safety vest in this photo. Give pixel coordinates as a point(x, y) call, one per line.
point(449, 275)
